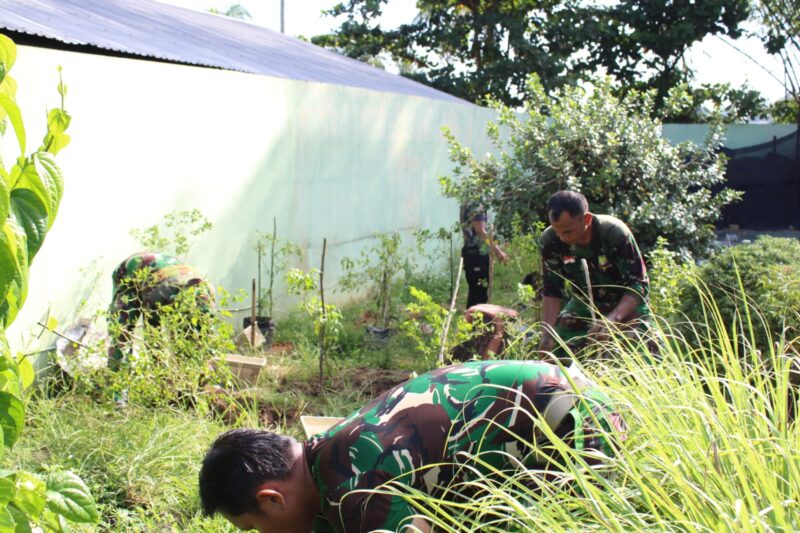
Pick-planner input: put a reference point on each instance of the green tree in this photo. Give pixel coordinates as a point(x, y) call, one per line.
point(643, 43)
point(697, 104)
point(786, 111)
point(780, 21)
point(466, 48)
point(607, 147)
point(30, 193)
point(474, 48)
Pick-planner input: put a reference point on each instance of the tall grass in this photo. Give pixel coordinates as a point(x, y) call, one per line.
point(709, 446)
point(141, 465)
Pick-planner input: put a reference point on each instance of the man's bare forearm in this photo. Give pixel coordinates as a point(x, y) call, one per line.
point(550, 309)
point(624, 309)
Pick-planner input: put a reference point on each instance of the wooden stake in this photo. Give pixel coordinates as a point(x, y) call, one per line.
point(253, 318)
point(491, 266)
point(440, 358)
point(271, 263)
point(324, 314)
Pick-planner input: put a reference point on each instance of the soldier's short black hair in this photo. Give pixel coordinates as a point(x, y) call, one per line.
point(238, 462)
point(572, 202)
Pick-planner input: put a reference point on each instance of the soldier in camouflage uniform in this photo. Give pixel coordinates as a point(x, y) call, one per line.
point(428, 434)
point(580, 244)
point(143, 283)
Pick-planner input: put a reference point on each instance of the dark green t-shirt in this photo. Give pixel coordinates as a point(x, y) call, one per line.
point(423, 432)
point(613, 259)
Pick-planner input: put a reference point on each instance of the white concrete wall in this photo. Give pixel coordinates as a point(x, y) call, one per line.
point(149, 138)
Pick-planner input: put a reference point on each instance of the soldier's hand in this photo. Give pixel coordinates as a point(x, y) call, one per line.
point(598, 332)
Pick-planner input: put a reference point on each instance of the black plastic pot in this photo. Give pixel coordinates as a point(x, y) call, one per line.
point(265, 325)
point(377, 335)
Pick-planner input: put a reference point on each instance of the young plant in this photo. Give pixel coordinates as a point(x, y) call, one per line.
point(326, 318)
point(30, 194)
point(177, 358)
point(425, 326)
point(175, 234)
point(281, 253)
point(382, 267)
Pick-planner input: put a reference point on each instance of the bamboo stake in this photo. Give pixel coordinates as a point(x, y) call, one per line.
point(440, 358)
point(450, 264)
point(271, 264)
point(253, 317)
point(324, 314)
point(491, 266)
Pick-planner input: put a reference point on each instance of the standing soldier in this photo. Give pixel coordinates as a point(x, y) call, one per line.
point(472, 217)
point(597, 258)
point(142, 284)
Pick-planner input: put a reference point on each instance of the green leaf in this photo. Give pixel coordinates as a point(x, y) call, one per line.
point(69, 496)
point(31, 496)
point(54, 523)
point(7, 523)
point(12, 417)
point(22, 523)
point(17, 289)
point(7, 489)
point(26, 372)
point(50, 174)
point(8, 264)
point(5, 198)
point(57, 123)
point(15, 117)
point(32, 216)
point(8, 54)
point(9, 382)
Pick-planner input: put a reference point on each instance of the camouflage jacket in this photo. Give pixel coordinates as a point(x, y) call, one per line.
point(154, 278)
point(613, 259)
point(423, 433)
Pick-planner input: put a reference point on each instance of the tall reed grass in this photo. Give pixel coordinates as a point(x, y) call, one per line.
point(709, 446)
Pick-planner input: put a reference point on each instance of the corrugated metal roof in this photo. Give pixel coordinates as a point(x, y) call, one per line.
point(155, 30)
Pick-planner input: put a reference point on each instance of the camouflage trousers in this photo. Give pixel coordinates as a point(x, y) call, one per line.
point(575, 321)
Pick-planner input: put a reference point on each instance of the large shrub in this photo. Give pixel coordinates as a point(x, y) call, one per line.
point(755, 281)
point(606, 147)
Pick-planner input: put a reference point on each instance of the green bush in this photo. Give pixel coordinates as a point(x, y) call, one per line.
point(607, 147)
point(767, 271)
point(669, 279)
point(176, 362)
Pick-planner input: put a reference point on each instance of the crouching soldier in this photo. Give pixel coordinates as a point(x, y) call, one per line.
point(143, 284)
point(597, 258)
point(442, 428)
